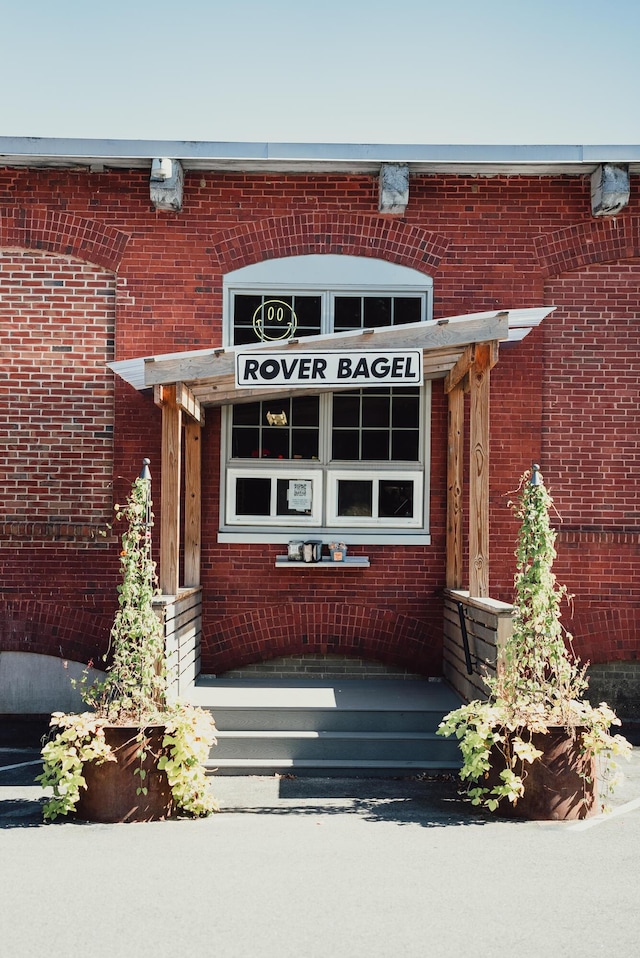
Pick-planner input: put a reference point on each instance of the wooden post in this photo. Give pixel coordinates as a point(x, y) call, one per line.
point(454, 488)
point(170, 492)
point(192, 500)
point(479, 377)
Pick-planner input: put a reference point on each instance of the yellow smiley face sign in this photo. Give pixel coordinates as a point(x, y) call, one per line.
point(274, 320)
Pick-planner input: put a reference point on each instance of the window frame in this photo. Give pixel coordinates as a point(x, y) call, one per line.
point(301, 275)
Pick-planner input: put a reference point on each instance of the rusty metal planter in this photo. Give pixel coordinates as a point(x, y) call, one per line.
point(112, 795)
point(560, 786)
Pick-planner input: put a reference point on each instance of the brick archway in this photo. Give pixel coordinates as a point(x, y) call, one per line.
point(596, 241)
point(327, 628)
point(606, 634)
point(342, 234)
point(50, 628)
point(54, 231)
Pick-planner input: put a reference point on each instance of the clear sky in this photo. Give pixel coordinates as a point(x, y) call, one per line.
point(360, 71)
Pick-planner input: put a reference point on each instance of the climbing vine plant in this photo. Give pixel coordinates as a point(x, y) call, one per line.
point(135, 684)
point(539, 683)
point(134, 690)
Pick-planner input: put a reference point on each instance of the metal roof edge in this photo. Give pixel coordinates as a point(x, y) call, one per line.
point(79, 150)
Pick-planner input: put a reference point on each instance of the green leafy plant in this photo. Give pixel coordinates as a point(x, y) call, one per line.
point(134, 690)
point(539, 684)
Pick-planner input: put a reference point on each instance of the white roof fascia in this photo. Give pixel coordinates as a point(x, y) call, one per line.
point(475, 159)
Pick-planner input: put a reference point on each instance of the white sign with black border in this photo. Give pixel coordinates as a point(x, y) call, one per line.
point(330, 368)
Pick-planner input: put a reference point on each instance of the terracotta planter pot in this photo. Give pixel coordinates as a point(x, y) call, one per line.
point(560, 786)
point(111, 792)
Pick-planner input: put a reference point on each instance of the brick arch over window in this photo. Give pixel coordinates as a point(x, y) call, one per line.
point(598, 241)
point(54, 231)
point(52, 628)
point(325, 629)
point(305, 234)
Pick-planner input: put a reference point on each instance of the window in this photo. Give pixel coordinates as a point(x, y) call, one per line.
point(351, 462)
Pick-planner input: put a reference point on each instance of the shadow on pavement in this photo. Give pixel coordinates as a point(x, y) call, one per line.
point(428, 802)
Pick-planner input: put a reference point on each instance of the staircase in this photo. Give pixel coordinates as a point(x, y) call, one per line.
point(327, 727)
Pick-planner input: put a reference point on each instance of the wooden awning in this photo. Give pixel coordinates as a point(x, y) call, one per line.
point(461, 349)
point(210, 373)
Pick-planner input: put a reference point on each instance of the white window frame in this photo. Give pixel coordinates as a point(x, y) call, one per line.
point(375, 477)
point(326, 276)
point(290, 473)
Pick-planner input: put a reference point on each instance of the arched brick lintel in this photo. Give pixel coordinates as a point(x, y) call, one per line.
point(54, 231)
point(331, 628)
point(50, 628)
point(353, 235)
point(606, 635)
point(596, 241)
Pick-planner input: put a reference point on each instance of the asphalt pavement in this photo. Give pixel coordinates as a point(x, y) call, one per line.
point(318, 868)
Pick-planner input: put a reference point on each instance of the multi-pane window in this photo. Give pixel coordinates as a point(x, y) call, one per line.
point(348, 460)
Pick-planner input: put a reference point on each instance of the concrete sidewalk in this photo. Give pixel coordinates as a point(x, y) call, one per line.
point(333, 868)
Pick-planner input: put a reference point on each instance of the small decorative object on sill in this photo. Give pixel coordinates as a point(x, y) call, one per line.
point(337, 551)
point(277, 418)
point(312, 550)
point(294, 550)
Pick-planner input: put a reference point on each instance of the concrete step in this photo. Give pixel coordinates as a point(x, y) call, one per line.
point(323, 727)
point(330, 720)
point(341, 746)
point(327, 769)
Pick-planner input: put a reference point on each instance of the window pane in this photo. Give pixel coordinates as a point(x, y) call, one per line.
point(275, 317)
point(294, 497)
point(275, 443)
point(347, 313)
point(346, 444)
point(346, 409)
point(247, 414)
point(253, 497)
point(355, 497)
point(375, 444)
point(308, 315)
point(406, 411)
point(377, 311)
point(304, 443)
point(305, 411)
point(375, 410)
point(243, 310)
point(395, 499)
point(407, 309)
point(405, 445)
point(246, 443)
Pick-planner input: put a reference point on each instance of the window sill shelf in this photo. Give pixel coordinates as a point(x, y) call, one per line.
point(351, 562)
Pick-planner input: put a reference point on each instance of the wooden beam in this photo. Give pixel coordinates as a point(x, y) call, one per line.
point(466, 361)
point(189, 404)
point(455, 458)
point(457, 331)
point(460, 370)
point(193, 502)
point(479, 379)
point(170, 492)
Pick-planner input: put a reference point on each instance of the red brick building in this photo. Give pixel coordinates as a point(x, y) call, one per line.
point(110, 252)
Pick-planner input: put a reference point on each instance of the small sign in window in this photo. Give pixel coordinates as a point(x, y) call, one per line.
point(299, 495)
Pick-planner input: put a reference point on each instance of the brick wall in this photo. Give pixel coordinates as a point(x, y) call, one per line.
point(566, 397)
point(56, 405)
